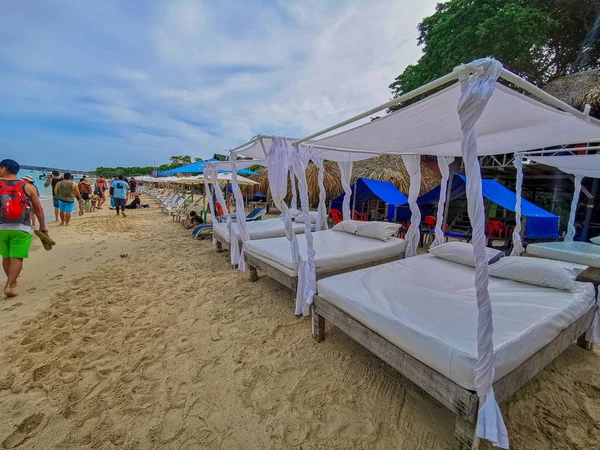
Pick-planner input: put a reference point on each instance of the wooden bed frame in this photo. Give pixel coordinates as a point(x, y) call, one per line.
point(221, 243)
point(291, 282)
point(462, 402)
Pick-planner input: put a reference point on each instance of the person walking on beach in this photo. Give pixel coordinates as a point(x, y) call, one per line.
point(17, 199)
point(132, 187)
point(66, 191)
point(119, 194)
point(85, 188)
point(29, 180)
point(53, 180)
point(101, 188)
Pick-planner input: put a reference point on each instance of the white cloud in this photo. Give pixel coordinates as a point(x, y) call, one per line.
point(133, 83)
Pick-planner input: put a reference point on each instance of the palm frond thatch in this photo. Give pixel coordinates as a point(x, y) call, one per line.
point(577, 89)
point(391, 168)
point(385, 168)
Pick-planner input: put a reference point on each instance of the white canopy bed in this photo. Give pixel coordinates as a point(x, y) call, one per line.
point(511, 122)
point(579, 166)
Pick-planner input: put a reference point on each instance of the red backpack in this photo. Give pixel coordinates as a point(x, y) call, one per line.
point(13, 202)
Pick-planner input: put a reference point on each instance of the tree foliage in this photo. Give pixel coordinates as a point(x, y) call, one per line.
point(176, 161)
point(537, 39)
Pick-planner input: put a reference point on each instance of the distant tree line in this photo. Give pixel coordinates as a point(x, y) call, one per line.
point(135, 171)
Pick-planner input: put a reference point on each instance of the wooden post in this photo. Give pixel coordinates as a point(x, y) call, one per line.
point(219, 247)
point(253, 273)
point(585, 344)
point(318, 325)
point(464, 432)
point(268, 200)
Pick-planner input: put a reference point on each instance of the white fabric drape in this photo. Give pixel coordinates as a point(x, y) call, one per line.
point(211, 205)
point(346, 175)
point(294, 201)
point(322, 209)
point(214, 177)
point(516, 237)
point(413, 235)
point(444, 166)
point(240, 214)
point(474, 97)
point(574, 202)
point(278, 164)
point(307, 277)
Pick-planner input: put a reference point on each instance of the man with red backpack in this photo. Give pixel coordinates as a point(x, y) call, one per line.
point(17, 199)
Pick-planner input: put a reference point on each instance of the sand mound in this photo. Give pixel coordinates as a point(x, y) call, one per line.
point(171, 348)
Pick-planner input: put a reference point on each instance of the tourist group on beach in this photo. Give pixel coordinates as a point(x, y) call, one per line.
point(20, 208)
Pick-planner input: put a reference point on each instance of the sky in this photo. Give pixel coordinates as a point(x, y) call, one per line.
point(131, 82)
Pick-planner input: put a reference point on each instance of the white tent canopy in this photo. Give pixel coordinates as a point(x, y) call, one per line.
point(511, 122)
point(581, 165)
point(222, 177)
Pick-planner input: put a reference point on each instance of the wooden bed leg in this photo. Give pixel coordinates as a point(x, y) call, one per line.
point(464, 433)
point(318, 325)
point(584, 344)
point(253, 273)
point(219, 247)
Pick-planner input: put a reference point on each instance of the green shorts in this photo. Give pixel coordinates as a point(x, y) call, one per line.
point(14, 243)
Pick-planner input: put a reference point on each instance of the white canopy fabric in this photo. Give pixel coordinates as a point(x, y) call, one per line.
point(511, 122)
point(582, 165)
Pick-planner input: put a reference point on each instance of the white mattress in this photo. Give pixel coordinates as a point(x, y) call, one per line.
point(335, 250)
point(584, 253)
point(259, 229)
point(426, 306)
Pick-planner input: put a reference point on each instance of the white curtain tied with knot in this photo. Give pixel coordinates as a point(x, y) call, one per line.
point(240, 214)
point(307, 277)
point(444, 166)
point(516, 236)
point(214, 177)
point(322, 209)
point(346, 175)
point(574, 202)
point(211, 205)
point(474, 97)
point(413, 235)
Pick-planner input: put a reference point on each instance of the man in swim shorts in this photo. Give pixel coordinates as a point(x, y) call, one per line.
point(120, 189)
point(53, 180)
point(66, 191)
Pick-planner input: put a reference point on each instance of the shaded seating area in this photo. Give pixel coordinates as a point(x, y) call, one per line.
point(539, 223)
point(375, 200)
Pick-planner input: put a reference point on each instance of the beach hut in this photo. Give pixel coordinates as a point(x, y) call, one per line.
point(391, 168)
point(578, 90)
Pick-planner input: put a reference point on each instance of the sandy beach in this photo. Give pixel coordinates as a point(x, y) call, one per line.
point(171, 348)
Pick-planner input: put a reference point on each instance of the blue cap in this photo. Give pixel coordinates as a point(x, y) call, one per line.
point(11, 165)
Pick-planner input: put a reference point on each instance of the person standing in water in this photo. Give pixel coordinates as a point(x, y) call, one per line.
point(30, 181)
point(66, 191)
point(120, 189)
point(17, 198)
point(53, 180)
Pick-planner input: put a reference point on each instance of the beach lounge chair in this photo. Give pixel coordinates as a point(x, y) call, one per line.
point(256, 214)
point(427, 331)
point(336, 252)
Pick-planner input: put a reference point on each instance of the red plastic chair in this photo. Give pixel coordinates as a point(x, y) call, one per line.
point(430, 221)
point(358, 216)
point(336, 215)
point(496, 228)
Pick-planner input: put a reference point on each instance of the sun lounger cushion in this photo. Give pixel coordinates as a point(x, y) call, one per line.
point(537, 271)
point(427, 307)
point(311, 214)
point(576, 252)
point(376, 230)
point(462, 253)
point(261, 229)
point(334, 251)
point(595, 240)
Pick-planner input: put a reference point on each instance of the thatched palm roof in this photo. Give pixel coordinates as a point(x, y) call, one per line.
point(391, 168)
point(578, 90)
point(385, 168)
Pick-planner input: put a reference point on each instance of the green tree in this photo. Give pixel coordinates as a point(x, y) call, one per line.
point(537, 39)
point(197, 159)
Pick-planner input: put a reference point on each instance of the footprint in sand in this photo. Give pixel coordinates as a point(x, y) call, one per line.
point(30, 290)
point(62, 267)
point(12, 307)
point(28, 428)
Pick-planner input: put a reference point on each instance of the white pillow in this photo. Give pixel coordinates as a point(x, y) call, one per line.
point(595, 240)
point(312, 214)
point(462, 253)
point(376, 230)
point(537, 271)
point(293, 212)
